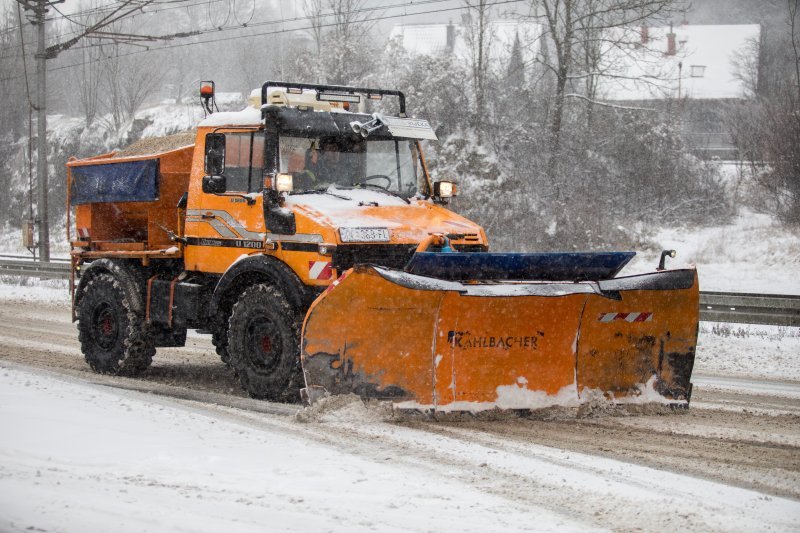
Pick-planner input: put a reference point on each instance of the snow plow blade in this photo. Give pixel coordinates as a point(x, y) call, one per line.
point(432, 344)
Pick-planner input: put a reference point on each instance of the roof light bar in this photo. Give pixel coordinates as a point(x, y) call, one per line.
point(333, 96)
point(334, 93)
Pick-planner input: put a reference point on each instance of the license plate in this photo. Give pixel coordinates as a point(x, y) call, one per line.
point(364, 234)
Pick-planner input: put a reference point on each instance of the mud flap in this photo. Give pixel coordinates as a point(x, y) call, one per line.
point(430, 344)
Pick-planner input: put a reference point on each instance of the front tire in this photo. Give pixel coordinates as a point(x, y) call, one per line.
point(264, 344)
point(219, 338)
point(113, 337)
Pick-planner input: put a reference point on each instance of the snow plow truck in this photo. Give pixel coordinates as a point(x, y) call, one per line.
point(306, 236)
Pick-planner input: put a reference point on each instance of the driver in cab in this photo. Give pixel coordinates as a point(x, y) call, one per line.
point(326, 162)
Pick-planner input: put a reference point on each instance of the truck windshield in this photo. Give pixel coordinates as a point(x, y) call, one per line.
point(317, 163)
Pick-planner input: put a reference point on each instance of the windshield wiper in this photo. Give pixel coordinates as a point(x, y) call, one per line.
point(379, 188)
point(320, 191)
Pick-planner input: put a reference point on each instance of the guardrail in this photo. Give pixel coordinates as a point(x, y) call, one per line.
point(54, 269)
point(768, 309)
point(740, 308)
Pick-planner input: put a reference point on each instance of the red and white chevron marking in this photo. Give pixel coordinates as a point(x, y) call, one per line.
point(319, 270)
point(83, 233)
point(627, 317)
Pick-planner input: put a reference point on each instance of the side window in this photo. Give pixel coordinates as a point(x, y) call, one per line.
point(244, 161)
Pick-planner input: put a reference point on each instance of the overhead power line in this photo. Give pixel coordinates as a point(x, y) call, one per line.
point(111, 7)
point(277, 31)
point(282, 21)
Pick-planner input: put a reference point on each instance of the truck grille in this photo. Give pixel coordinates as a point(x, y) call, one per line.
point(387, 255)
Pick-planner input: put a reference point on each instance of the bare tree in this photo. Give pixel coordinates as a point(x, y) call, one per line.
point(313, 10)
point(88, 80)
point(766, 129)
point(794, 37)
point(13, 63)
point(86, 77)
point(578, 31)
point(128, 81)
point(340, 31)
point(478, 39)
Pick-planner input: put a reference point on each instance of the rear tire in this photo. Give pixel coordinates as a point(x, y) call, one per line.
point(264, 344)
point(113, 337)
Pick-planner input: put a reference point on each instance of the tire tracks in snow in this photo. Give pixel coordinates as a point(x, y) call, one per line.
point(755, 450)
point(599, 492)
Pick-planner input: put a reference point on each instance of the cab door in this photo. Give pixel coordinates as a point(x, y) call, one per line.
point(220, 227)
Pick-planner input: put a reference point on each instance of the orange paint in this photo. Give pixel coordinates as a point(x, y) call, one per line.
point(442, 347)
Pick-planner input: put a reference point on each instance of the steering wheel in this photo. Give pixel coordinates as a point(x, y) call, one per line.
point(376, 177)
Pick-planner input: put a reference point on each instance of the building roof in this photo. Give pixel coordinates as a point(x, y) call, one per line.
point(432, 39)
point(702, 66)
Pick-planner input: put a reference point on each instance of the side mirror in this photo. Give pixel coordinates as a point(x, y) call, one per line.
point(214, 184)
point(444, 190)
point(277, 219)
point(215, 154)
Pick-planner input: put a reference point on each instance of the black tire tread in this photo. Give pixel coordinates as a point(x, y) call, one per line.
point(219, 338)
point(137, 350)
point(284, 388)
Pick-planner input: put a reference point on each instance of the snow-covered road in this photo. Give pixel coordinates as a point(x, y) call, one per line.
point(83, 457)
point(83, 452)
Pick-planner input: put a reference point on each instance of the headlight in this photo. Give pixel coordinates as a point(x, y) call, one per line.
point(444, 189)
point(283, 182)
point(326, 249)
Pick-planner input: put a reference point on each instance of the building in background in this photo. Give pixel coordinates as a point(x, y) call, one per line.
point(694, 68)
point(689, 70)
point(451, 38)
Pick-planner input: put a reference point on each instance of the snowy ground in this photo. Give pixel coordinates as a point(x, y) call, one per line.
point(161, 465)
point(753, 254)
point(81, 458)
point(771, 352)
point(79, 452)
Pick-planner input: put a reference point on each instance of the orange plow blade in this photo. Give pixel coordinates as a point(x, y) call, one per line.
point(430, 344)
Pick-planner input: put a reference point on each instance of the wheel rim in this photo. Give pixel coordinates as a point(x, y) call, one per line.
point(105, 327)
point(263, 344)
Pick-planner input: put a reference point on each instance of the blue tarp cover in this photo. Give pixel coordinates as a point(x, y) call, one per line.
point(130, 181)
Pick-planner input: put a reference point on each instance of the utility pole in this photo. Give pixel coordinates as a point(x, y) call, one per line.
point(42, 220)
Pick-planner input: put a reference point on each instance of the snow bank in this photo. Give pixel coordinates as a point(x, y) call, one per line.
point(53, 293)
point(753, 254)
point(744, 350)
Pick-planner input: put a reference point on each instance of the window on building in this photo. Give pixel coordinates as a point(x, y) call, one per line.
point(697, 71)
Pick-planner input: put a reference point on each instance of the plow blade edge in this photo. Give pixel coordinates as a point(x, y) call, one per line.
point(430, 344)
